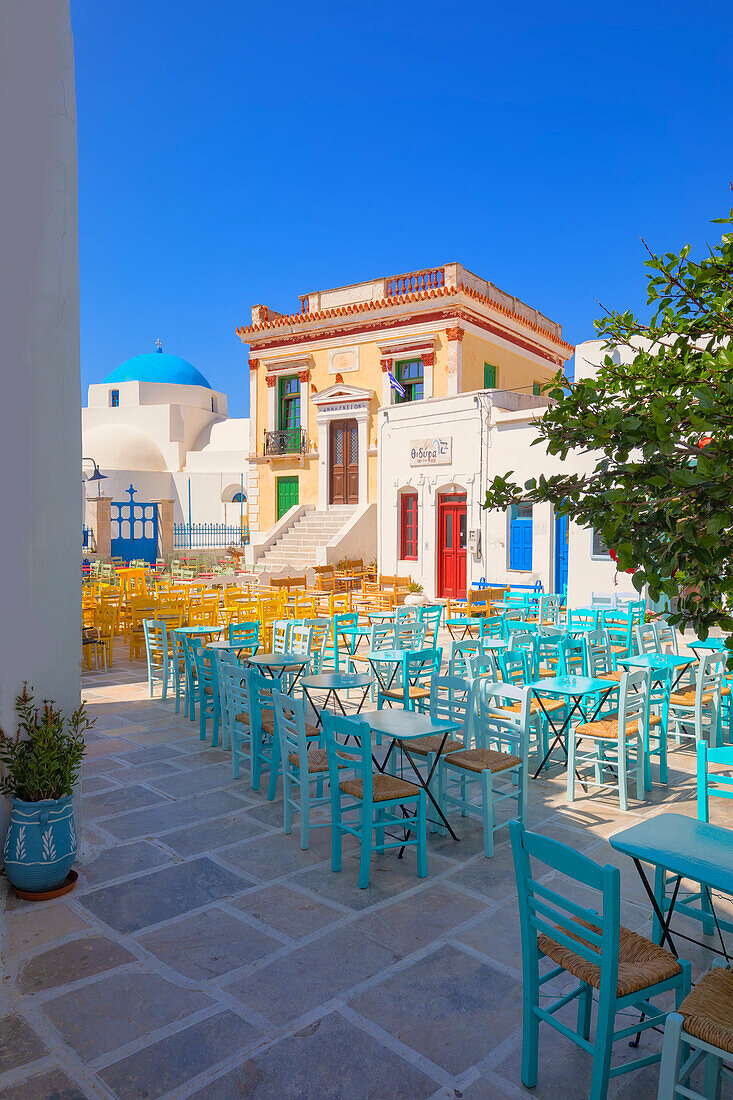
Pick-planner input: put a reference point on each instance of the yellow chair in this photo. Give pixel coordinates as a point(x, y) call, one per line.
point(139, 609)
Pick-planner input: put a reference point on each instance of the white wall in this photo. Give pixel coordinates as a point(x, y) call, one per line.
point(486, 441)
point(40, 414)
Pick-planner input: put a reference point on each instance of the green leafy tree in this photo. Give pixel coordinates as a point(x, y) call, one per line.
point(658, 436)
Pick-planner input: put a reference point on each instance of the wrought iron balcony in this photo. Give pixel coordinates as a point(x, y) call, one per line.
point(286, 441)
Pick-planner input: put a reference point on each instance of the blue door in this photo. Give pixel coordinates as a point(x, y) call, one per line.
point(134, 529)
point(520, 537)
point(561, 553)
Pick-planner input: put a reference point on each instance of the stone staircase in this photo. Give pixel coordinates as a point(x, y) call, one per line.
point(301, 545)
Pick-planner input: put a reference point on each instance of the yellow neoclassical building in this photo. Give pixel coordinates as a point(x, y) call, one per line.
point(319, 376)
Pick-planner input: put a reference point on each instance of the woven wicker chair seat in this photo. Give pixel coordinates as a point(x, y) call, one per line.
point(547, 670)
point(482, 760)
point(687, 698)
point(641, 963)
point(413, 692)
point(317, 760)
point(615, 676)
point(618, 649)
point(708, 1009)
point(534, 706)
point(268, 722)
point(425, 745)
point(208, 690)
point(608, 726)
point(360, 658)
point(384, 787)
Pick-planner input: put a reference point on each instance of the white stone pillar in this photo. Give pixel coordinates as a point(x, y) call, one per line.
point(323, 460)
point(271, 403)
point(362, 423)
point(253, 365)
point(40, 411)
point(454, 368)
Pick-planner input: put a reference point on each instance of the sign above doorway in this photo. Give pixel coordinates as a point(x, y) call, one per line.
point(431, 452)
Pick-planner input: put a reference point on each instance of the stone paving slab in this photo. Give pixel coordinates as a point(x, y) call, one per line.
point(211, 957)
point(107, 1014)
point(331, 1059)
point(172, 1061)
point(161, 895)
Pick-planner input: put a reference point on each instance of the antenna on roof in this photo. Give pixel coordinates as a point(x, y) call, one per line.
point(158, 345)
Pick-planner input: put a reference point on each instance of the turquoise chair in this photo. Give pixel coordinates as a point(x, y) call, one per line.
point(529, 644)
point(614, 745)
point(515, 668)
point(688, 1041)
point(376, 799)
point(321, 644)
point(583, 617)
point(625, 970)
point(494, 761)
point(346, 619)
point(281, 635)
point(207, 684)
point(460, 654)
point(431, 617)
point(235, 713)
point(189, 657)
point(482, 665)
point(698, 708)
point(451, 698)
point(412, 686)
point(491, 627)
point(264, 744)
point(156, 651)
point(619, 623)
point(178, 667)
point(656, 738)
point(303, 764)
point(409, 635)
point(508, 619)
point(246, 636)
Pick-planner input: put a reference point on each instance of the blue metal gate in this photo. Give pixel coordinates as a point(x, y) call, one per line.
point(134, 529)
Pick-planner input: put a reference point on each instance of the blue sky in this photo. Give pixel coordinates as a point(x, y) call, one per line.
point(233, 153)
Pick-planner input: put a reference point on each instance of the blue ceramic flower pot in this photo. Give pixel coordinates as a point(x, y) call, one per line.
point(40, 844)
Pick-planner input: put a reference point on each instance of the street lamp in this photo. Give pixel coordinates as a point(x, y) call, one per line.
point(96, 476)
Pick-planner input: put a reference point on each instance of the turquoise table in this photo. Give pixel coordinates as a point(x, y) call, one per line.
point(332, 683)
point(199, 631)
point(714, 644)
point(658, 661)
point(392, 658)
point(380, 616)
point(276, 665)
point(356, 633)
point(403, 726)
point(689, 849)
point(465, 622)
point(575, 688)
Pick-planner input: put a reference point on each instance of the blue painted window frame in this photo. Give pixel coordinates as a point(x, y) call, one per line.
point(520, 538)
point(114, 399)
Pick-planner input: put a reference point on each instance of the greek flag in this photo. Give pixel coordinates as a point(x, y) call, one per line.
point(395, 384)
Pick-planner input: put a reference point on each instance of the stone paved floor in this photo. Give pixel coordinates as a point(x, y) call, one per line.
point(204, 955)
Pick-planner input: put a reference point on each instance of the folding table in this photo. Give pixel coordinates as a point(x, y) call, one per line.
point(686, 848)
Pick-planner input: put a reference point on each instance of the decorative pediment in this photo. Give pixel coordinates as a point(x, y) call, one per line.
point(340, 394)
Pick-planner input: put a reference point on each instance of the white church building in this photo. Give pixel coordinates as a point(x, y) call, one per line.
point(156, 423)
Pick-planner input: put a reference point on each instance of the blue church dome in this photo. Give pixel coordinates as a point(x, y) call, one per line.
point(158, 366)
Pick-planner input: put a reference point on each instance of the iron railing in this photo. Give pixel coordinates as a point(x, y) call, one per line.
point(189, 536)
point(286, 441)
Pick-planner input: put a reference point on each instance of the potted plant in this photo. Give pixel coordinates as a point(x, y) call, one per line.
point(41, 767)
point(415, 597)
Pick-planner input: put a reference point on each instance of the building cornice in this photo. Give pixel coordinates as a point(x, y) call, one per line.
point(345, 315)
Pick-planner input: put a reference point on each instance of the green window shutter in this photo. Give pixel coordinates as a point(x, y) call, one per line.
point(537, 389)
point(489, 376)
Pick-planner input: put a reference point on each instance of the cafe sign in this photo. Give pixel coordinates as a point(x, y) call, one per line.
point(431, 452)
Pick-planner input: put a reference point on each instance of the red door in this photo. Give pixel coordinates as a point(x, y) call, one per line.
point(344, 462)
point(452, 522)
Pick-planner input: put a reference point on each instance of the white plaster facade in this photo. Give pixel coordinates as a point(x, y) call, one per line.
point(163, 436)
point(487, 433)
